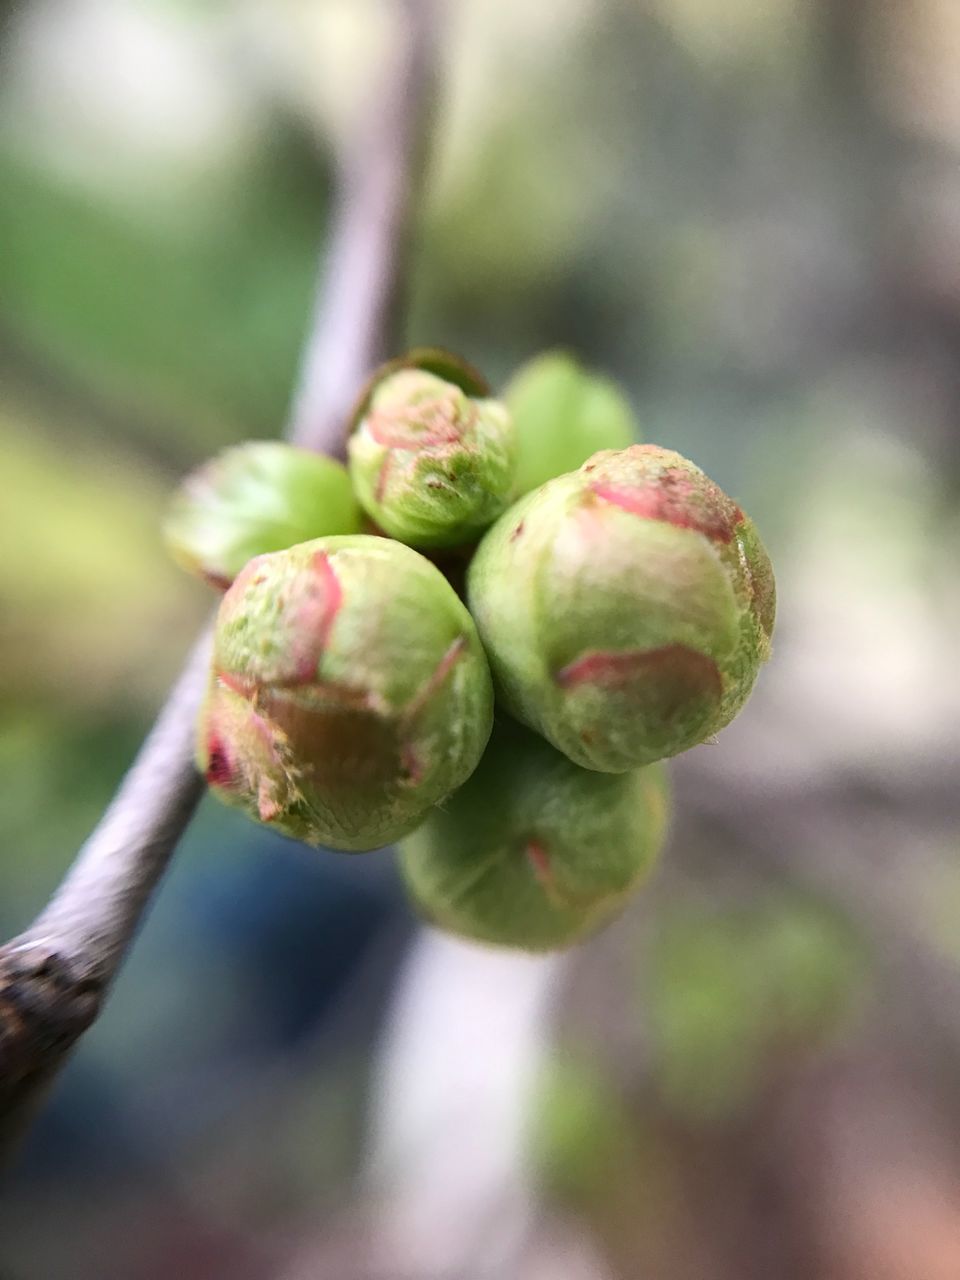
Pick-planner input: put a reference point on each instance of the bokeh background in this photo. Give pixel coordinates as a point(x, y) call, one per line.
point(748, 211)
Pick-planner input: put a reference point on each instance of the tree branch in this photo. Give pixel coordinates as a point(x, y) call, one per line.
point(53, 978)
point(358, 299)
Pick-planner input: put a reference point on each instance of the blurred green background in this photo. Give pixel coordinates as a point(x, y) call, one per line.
point(749, 212)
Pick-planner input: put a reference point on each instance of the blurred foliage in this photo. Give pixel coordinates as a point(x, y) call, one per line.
point(80, 758)
point(579, 1130)
point(198, 319)
point(730, 993)
point(84, 608)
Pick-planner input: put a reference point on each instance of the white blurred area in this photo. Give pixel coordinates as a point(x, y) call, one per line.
point(864, 672)
point(460, 1064)
point(129, 95)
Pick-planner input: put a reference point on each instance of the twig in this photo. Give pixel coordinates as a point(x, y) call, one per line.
point(362, 281)
point(53, 978)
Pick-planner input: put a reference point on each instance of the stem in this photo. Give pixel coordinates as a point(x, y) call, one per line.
point(358, 298)
point(54, 976)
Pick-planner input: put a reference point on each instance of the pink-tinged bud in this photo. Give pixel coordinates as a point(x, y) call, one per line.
point(626, 608)
point(349, 692)
point(533, 851)
point(430, 464)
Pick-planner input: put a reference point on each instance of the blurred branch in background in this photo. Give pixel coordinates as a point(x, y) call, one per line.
point(53, 977)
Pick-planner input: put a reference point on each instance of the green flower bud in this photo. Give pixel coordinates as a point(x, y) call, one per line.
point(432, 466)
point(349, 692)
point(257, 497)
point(562, 415)
point(626, 608)
point(533, 851)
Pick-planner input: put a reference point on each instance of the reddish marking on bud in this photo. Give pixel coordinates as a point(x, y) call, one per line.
point(518, 531)
point(241, 685)
point(437, 677)
point(382, 477)
point(320, 598)
point(265, 733)
point(217, 580)
point(309, 602)
point(421, 426)
point(267, 806)
point(673, 497)
point(219, 771)
point(333, 592)
point(412, 764)
point(675, 667)
point(449, 659)
point(539, 861)
point(251, 575)
point(599, 668)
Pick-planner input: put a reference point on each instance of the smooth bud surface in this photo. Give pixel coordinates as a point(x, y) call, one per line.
point(626, 608)
point(349, 692)
point(563, 414)
point(257, 497)
point(533, 851)
point(430, 464)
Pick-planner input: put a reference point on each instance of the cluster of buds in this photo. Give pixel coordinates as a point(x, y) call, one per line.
point(618, 611)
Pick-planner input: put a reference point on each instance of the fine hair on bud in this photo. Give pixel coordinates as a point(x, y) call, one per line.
point(534, 852)
point(431, 465)
point(626, 608)
point(256, 497)
point(348, 692)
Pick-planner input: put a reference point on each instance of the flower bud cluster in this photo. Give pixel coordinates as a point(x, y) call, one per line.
point(618, 607)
